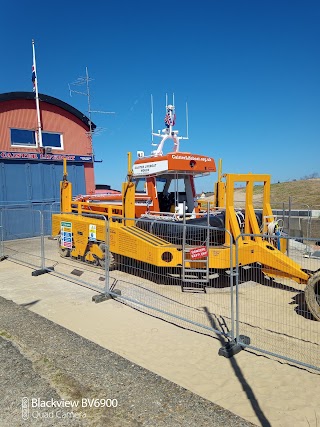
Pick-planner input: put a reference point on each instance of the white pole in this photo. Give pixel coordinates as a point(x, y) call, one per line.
point(37, 95)
point(187, 121)
point(152, 116)
point(89, 113)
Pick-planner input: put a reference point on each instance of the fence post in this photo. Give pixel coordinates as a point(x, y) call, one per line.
point(241, 340)
point(237, 289)
point(237, 342)
point(183, 243)
point(289, 225)
point(42, 269)
point(107, 259)
point(1, 236)
point(42, 266)
point(107, 293)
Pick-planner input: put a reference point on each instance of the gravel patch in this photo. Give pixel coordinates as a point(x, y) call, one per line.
point(40, 359)
point(19, 379)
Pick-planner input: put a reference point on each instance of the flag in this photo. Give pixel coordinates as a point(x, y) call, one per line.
point(33, 78)
point(170, 121)
point(167, 120)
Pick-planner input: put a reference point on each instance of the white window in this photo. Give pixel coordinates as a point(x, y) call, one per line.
point(53, 140)
point(28, 138)
point(23, 138)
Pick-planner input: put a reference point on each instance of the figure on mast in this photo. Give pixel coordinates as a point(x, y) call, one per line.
point(168, 132)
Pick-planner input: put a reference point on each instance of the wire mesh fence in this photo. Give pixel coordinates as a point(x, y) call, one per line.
point(298, 220)
point(193, 296)
point(22, 234)
point(1, 239)
point(272, 311)
point(148, 265)
point(58, 248)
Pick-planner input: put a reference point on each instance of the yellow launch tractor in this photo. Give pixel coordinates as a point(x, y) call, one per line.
point(156, 221)
point(83, 228)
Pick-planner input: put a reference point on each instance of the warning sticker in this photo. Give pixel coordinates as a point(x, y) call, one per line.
point(92, 232)
point(66, 234)
point(200, 252)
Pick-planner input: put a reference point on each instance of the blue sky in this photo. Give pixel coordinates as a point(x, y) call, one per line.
point(249, 70)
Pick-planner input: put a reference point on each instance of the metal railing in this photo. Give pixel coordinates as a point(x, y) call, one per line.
point(176, 295)
point(271, 311)
point(237, 302)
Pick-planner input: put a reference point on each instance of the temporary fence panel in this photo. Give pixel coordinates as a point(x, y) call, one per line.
point(298, 220)
point(18, 222)
point(201, 297)
point(272, 313)
point(195, 298)
point(58, 257)
point(43, 251)
point(18, 225)
point(48, 210)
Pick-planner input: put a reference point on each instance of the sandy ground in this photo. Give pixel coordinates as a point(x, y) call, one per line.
point(272, 313)
point(43, 360)
point(254, 386)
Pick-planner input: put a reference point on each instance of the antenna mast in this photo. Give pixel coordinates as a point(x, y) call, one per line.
point(152, 143)
point(187, 120)
point(80, 82)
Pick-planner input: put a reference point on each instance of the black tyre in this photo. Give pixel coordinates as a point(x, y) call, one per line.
point(312, 295)
point(112, 262)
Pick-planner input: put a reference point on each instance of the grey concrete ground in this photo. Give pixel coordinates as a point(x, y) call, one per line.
point(40, 359)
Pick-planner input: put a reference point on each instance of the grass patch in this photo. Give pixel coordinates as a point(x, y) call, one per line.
point(6, 335)
point(303, 193)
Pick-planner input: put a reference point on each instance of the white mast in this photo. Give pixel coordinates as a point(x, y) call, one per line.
point(187, 120)
point(168, 132)
point(35, 89)
point(152, 120)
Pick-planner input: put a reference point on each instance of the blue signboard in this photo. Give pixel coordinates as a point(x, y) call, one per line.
point(14, 155)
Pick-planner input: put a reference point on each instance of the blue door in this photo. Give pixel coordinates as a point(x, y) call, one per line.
point(27, 187)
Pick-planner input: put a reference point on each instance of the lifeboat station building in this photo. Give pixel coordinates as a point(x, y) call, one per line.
point(30, 172)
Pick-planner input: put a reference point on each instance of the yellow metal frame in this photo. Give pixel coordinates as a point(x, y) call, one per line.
point(128, 240)
point(65, 190)
point(250, 222)
point(125, 240)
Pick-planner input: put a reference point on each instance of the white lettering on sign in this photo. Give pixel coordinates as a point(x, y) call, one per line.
point(199, 159)
point(150, 168)
point(200, 252)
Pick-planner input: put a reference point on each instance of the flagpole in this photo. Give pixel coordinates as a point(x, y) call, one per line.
point(35, 78)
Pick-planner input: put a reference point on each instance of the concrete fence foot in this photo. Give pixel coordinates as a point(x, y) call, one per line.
point(233, 347)
point(42, 271)
point(105, 297)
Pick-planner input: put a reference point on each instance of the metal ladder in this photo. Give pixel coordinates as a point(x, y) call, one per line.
point(194, 279)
